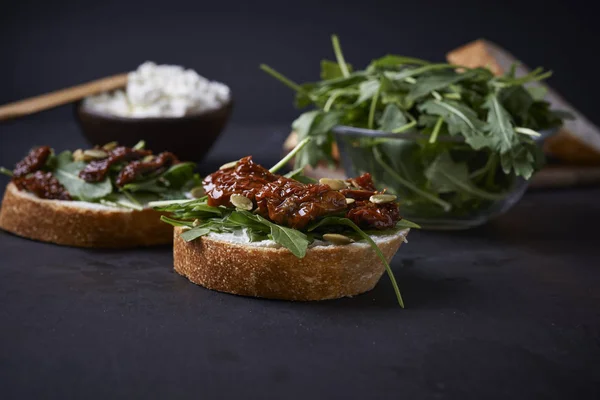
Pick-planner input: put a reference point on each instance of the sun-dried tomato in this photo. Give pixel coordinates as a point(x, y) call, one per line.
point(34, 161)
point(369, 215)
point(291, 203)
point(43, 184)
point(137, 169)
point(97, 170)
point(246, 178)
point(294, 204)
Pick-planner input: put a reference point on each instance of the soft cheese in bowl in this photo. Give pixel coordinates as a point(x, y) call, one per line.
point(167, 105)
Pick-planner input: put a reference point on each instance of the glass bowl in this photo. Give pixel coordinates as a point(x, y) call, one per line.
point(406, 166)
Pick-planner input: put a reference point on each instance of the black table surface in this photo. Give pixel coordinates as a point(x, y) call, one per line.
point(508, 310)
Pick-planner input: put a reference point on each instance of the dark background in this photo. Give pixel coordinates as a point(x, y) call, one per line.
point(508, 310)
point(50, 45)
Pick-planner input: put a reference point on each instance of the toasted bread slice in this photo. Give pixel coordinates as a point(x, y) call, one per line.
point(80, 224)
point(255, 269)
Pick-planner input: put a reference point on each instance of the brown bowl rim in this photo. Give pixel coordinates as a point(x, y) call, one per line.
point(80, 108)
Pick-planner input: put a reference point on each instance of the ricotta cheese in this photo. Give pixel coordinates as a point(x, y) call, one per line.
point(240, 237)
point(161, 91)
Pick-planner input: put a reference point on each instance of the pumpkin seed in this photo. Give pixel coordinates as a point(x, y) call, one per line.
point(78, 155)
point(94, 154)
point(110, 146)
point(382, 198)
point(241, 202)
point(336, 238)
point(197, 192)
point(148, 158)
point(334, 184)
point(349, 200)
point(231, 164)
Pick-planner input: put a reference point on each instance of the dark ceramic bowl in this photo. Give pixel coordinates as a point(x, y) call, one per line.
point(190, 137)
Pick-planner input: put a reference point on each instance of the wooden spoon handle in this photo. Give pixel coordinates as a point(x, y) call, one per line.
point(60, 97)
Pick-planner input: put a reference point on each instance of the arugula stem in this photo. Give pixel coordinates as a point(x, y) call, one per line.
point(492, 172)
point(481, 171)
point(377, 250)
point(406, 127)
point(337, 49)
point(453, 96)
point(331, 99)
point(287, 82)
point(290, 155)
point(437, 96)
point(131, 206)
point(164, 203)
point(458, 113)
point(6, 172)
point(473, 190)
point(131, 198)
point(533, 76)
point(527, 131)
point(409, 185)
point(373, 108)
point(436, 130)
point(417, 71)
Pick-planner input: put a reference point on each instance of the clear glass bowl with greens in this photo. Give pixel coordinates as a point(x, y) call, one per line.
point(456, 144)
point(448, 185)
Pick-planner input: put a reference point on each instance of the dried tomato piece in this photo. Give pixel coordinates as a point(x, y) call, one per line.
point(43, 184)
point(136, 169)
point(369, 215)
point(364, 182)
point(97, 170)
point(294, 204)
point(291, 203)
point(245, 178)
point(34, 161)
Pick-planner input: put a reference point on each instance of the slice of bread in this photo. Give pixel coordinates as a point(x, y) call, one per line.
point(256, 269)
point(80, 224)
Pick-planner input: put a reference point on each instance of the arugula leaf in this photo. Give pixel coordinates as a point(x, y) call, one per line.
point(392, 60)
point(499, 124)
point(520, 160)
point(195, 233)
point(428, 84)
point(404, 224)
point(446, 176)
point(460, 120)
point(392, 118)
point(367, 89)
point(317, 125)
point(175, 222)
point(332, 70)
point(67, 173)
point(170, 184)
point(292, 239)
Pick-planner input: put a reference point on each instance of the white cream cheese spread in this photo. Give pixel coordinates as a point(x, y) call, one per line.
point(240, 237)
point(161, 91)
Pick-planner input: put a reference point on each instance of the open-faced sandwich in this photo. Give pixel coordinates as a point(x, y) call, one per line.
point(256, 233)
point(94, 198)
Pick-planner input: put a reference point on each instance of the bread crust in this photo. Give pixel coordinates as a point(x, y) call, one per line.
point(68, 223)
point(326, 272)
